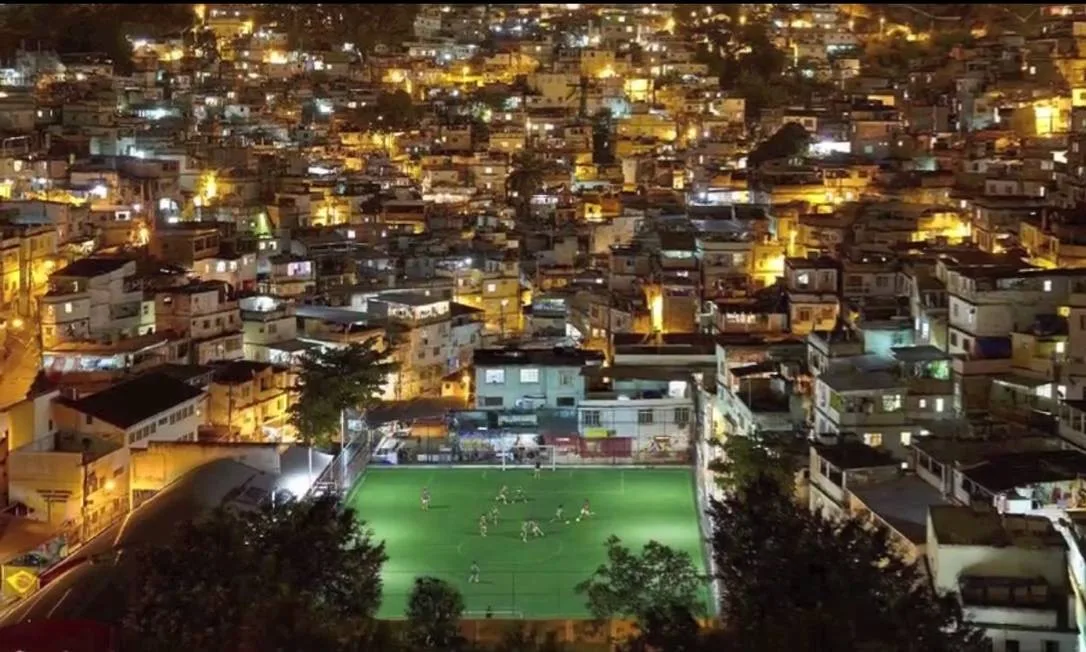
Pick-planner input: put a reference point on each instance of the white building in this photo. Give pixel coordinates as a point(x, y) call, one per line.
point(95, 299)
point(207, 314)
point(1010, 573)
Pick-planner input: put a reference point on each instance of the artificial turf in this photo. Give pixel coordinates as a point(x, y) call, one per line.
point(532, 580)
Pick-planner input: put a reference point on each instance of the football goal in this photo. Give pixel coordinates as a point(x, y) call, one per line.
point(526, 458)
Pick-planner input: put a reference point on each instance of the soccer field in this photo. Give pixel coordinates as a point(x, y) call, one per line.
point(535, 579)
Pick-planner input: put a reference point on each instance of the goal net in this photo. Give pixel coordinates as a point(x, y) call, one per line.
point(527, 458)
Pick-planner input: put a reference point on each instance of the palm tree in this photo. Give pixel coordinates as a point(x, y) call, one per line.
point(526, 179)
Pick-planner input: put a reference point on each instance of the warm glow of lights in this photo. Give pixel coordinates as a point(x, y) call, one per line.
point(209, 184)
point(275, 57)
point(606, 73)
point(143, 236)
point(656, 310)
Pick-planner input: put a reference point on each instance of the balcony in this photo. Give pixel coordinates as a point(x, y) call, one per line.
point(930, 386)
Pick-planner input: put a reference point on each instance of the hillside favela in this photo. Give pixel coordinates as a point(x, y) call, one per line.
point(542, 328)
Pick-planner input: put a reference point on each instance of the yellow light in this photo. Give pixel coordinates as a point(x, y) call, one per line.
point(465, 71)
point(606, 73)
point(275, 57)
point(656, 311)
point(210, 184)
point(17, 323)
point(110, 485)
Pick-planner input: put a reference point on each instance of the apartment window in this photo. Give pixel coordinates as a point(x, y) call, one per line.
point(873, 439)
point(1051, 646)
point(803, 315)
point(68, 307)
point(940, 404)
point(803, 279)
point(591, 418)
point(1061, 347)
point(492, 401)
point(906, 438)
point(644, 417)
point(565, 378)
point(529, 375)
point(491, 288)
point(923, 404)
point(682, 416)
point(1048, 285)
point(1011, 645)
point(891, 403)
point(494, 376)
point(565, 401)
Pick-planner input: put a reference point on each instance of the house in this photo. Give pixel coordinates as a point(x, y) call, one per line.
point(207, 314)
point(1004, 569)
point(527, 379)
point(77, 469)
point(251, 400)
point(95, 299)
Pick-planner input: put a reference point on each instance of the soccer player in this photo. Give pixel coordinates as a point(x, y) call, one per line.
point(534, 527)
point(494, 514)
point(524, 531)
point(482, 526)
point(503, 498)
point(586, 510)
point(535, 473)
point(558, 514)
point(474, 577)
point(519, 496)
point(425, 499)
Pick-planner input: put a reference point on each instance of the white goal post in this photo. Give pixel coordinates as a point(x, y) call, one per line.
point(545, 455)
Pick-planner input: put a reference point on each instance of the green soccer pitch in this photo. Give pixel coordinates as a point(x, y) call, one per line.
point(532, 579)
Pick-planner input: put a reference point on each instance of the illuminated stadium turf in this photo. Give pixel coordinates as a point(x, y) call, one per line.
point(532, 580)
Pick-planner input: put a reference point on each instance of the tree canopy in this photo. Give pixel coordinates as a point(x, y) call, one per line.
point(302, 575)
point(747, 458)
point(332, 380)
point(433, 615)
point(787, 142)
point(393, 111)
point(101, 28)
point(794, 580)
point(364, 25)
point(637, 583)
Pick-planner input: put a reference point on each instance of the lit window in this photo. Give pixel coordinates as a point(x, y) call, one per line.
point(873, 438)
point(68, 307)
point(491, 287)
point(803, 279)
point(891, 403)
point(923, 403)
point(494, 376)
point(1060, 347)
point(220, 266)
point(1048, 285)
point(906, 438)
point(939, 404)
point(529, 375)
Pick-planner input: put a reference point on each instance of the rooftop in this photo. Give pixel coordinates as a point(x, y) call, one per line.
point(144, 397)
point(957, 525)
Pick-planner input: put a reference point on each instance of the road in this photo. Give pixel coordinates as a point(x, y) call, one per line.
point(20, 366)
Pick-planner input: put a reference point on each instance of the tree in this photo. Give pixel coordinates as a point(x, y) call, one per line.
point(300, 575)
point(332, 380)
point(789, 141)
point(526, 179)
point(603, 144)
point(792, 579)
point(746, 458)
point(631, 584)
point(433, 615)
point(391, 111)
